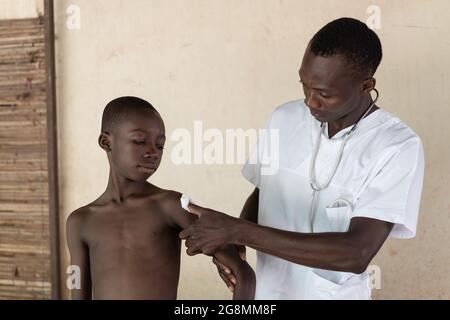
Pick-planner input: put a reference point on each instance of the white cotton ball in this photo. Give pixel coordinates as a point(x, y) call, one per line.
point(185, 202)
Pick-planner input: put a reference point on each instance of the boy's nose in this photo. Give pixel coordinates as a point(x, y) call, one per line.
point(151, 155)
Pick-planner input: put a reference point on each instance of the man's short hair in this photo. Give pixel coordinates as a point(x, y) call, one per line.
point(352, 39)
point(120, 108)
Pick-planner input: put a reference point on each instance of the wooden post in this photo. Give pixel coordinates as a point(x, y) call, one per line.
point(52, 149)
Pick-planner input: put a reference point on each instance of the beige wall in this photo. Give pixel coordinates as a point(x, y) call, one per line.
point(229, 64)
point(21, 9)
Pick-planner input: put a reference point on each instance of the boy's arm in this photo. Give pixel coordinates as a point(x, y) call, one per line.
point(250, 213)
point(81, 289)
point(244, 288)
point(245, 277)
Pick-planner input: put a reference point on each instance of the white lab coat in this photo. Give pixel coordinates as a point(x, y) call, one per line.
point(380, 175)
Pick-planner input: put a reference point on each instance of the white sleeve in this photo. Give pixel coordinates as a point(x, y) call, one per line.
point(259, 160)
point(394, 193)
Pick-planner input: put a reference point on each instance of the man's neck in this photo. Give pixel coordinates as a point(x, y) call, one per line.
point(351, 118)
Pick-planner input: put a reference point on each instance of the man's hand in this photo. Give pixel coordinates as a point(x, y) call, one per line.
point(213, 231)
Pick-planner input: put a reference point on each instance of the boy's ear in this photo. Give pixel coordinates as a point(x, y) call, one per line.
point(104, 141)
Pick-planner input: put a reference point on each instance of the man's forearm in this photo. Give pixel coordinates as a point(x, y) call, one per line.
point(331, 251)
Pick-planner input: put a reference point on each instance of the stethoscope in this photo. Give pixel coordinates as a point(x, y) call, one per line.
point(312, 176)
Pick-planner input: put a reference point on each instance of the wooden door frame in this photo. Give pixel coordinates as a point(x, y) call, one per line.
point(52, 150)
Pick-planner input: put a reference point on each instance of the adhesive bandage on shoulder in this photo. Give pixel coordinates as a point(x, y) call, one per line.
point(185, 200)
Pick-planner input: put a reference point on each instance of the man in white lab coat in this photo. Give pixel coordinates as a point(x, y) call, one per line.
point(346, 176)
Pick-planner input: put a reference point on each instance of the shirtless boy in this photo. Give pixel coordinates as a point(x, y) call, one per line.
point(126, 243)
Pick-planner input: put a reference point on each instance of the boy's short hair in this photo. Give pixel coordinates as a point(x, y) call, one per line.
point(120, 108)
point(352, 39)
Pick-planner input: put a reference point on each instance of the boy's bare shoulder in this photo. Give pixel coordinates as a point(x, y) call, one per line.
point(169, 199)
point(78, 216)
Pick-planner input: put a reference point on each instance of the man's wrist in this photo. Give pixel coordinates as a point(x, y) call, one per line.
point(239, 232)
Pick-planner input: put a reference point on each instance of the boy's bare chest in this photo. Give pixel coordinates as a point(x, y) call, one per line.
point(127, 228)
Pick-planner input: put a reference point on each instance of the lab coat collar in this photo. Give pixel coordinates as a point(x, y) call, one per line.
point(365, 124)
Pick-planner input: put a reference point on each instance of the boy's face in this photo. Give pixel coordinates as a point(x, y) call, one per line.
point(137, 145)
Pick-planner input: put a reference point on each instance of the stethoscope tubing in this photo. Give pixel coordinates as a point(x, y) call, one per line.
point(312, 179)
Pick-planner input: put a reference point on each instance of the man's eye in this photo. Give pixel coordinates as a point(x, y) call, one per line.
point(138, 141)
point(160, 147)
point(324, 95)
point(305, 89)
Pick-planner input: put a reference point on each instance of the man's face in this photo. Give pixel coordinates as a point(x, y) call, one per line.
point(137, 145)
point(331, 88)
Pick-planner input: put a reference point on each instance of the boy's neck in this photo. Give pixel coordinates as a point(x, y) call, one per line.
point(120, 188)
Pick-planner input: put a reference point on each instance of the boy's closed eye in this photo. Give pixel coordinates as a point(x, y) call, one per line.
point(142, 142)
point(139, 142)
